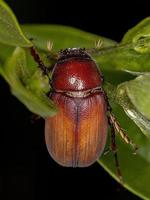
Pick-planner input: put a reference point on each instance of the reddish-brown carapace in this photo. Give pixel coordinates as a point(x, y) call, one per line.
point(76, 135)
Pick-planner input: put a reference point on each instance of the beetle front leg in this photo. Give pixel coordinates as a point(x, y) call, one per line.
point(46, 71)
point(38, 60)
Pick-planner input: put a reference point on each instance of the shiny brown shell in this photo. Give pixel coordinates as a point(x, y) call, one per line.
point(76, 136)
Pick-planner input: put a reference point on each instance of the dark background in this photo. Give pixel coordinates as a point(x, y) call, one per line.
point(26, 169)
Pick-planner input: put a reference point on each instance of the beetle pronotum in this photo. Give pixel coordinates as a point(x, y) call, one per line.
point(76, 135)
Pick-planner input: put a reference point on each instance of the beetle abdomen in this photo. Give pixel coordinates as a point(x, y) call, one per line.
point(76, 136)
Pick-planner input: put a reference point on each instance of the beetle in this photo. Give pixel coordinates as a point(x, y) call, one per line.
point(76, 136)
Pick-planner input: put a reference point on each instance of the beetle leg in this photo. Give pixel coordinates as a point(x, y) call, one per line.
point(122, 133)
point(114, 149)
point(53, 56)
point(41, 65)
point(117, 126)
point(38, 60)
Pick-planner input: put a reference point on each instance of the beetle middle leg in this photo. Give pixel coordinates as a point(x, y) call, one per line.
point(122, 133)
point(117, 126)
point(38, 60)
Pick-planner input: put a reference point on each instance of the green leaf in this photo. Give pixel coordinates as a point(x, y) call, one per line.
point(10, 31)
point(112, 62)
point(28, 87)
point(137, 73)
point(132, 53)
point(140, 31)
point(5, 52)
point(62, 37)
point(138, 91)
point(126, 96)
point(134, 97)
point(124, 57)
point(134, 168)
point(139, 36)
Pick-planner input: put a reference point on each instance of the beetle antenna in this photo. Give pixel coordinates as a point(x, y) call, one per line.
point(49, 45)
point(52, 55)
point(98, 44)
